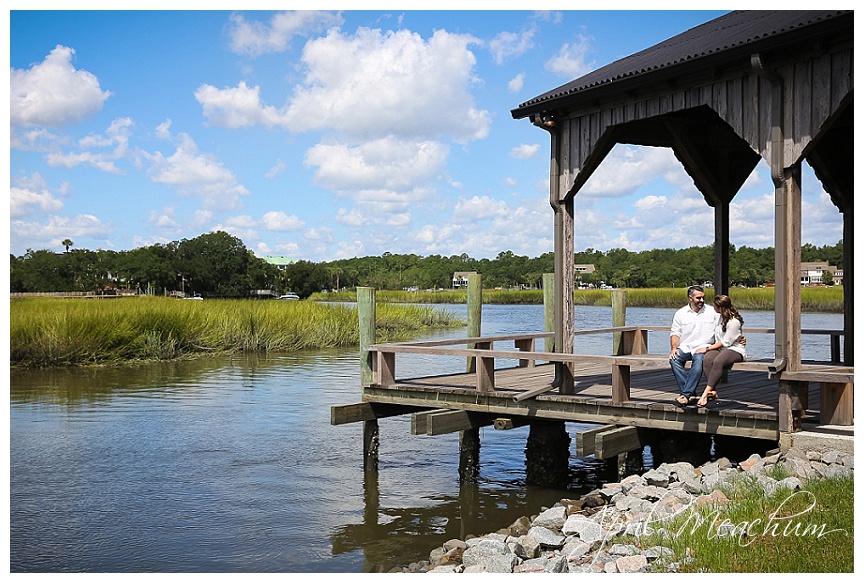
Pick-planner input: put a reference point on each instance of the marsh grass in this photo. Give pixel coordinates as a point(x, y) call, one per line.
point(813, 299)
point(57, 332)
point(805, 531)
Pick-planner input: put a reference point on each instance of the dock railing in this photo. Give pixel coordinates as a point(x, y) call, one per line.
point(634, 353)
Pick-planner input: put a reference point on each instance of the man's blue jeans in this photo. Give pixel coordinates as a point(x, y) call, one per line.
point(688, 380)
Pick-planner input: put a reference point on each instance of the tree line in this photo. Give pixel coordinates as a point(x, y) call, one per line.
point(218, 264)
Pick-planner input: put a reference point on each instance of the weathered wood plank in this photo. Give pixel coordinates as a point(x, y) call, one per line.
point(453, 421)
point(616, 441)
point(585, 440)
point(342, 414)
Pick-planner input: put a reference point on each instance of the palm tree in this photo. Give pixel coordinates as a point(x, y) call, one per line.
point(67, 243)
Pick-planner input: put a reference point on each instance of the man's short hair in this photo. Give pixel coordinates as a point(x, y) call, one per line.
point(694, 288)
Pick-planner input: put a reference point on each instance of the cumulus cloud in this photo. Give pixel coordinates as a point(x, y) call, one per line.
point(54, 93)
point(256, 38)
point(386, 164)
point(525, 151)
point(479, 208)
point(279, 221)
point(198, 174)
point(627, 168)
point(516, 83)
point(24, 201)
point(237, 107)
point(56, 229)
point(508, 45)
point(375, 83)
point(570, 60)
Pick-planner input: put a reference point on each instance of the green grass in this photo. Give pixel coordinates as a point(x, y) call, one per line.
point(813, 299)
point(60, 332)
point(806, 531)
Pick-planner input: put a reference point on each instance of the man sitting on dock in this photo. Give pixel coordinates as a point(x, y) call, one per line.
point(692, 327)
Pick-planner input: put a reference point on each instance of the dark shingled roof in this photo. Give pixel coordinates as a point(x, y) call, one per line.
point(728, 32)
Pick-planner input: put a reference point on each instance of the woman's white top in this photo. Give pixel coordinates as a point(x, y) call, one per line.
point(731, 339)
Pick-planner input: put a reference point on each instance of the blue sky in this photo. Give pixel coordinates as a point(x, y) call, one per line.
point(328, 135)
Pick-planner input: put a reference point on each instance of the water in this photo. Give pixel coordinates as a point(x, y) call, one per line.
point(231, 465)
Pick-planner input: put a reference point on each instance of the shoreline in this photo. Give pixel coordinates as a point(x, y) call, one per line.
point(615, 528)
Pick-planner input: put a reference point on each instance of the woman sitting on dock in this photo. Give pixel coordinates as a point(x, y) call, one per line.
point(727, 348)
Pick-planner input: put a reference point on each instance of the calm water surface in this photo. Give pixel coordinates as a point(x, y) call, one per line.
point(231, 464)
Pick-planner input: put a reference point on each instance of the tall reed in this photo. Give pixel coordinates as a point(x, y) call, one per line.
point(52, 332)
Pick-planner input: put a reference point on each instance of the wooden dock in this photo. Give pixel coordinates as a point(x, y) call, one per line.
point(634, 389)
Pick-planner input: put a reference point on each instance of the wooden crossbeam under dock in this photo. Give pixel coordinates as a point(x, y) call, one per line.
point(747, 406)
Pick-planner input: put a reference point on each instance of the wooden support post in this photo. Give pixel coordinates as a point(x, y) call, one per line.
point(385, 368)
point(848, 284)
point(792, 405)
point(787, 268)
point(620, 383)
point(549, 309)
point(836, 404)
point(485, 372)
point(469, 456)
point(619, 318)
point(475, 313)
point(366, 317)
point(635, 341)
point(525, 345)
point(721, 247)
point(370, 445)
point(547, 454)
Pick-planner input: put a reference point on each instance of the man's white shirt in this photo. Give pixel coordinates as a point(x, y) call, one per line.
point(694, 329)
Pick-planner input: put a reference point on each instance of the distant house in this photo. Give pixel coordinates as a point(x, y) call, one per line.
point(279, 261)
point(460, 278)
point(812, 272)
point(582, 269)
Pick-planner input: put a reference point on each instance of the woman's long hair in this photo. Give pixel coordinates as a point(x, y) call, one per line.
point(727, 310)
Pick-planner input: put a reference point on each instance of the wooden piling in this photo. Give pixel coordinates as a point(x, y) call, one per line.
point(549, 308)
point(366, 317)
point(547, 454)
point(619, 318)
point(475, 313)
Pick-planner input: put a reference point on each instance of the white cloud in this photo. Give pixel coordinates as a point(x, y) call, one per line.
point(375, 83)
point(255, 38)
point(479, 208)
point(279, 221)
point(525, 151)
point(237, 107)
point(193, 173)
point(516, 83)
point(53, 93)
point(650, 202)
point(353, 218)
point(115, 137)
point(56, 229)
point(24, 201)
point(627, 168)
point(277, 169)
point(569, 62)
point(380, 165)
point(507, 45)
